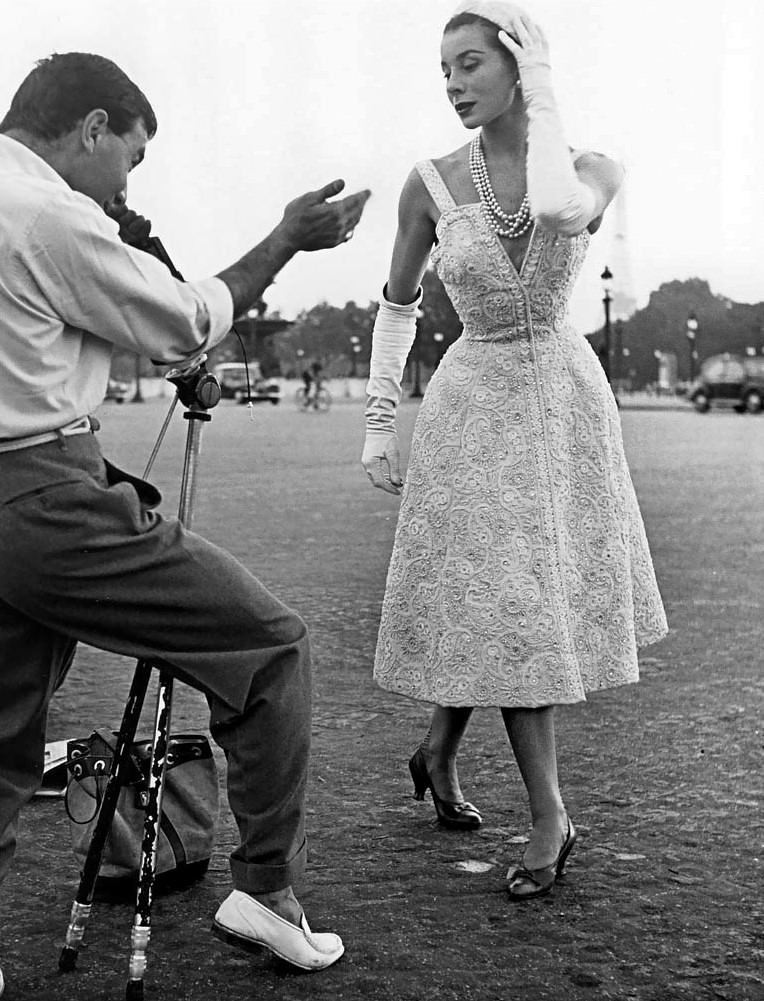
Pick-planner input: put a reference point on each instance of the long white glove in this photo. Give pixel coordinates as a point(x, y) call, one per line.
point(559, 200)
point(392, 337)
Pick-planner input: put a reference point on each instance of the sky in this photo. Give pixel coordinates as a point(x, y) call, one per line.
point(259, 101)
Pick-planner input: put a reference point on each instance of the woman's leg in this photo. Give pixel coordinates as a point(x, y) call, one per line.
point(440, 748)
point(531, 734)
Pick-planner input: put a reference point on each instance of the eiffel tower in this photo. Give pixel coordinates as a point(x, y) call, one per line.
point(624, 299)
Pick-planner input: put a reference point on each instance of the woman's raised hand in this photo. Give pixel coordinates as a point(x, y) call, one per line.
point(527, 43)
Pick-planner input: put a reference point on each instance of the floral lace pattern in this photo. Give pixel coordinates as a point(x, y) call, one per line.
point(521, 573)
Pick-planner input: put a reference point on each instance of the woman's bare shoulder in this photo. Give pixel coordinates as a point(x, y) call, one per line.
point(452, 163)
point(414, 194)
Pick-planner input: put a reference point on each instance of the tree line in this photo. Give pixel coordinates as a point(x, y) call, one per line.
point(339, 337)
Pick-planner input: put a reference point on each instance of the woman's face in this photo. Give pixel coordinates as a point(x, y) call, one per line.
point(480, 77)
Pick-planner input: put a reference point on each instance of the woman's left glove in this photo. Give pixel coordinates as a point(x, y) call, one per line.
point(393, 335)
point(381, 456)
point(560, 202)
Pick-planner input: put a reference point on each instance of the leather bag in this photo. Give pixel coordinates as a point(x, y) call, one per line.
point(190, 807)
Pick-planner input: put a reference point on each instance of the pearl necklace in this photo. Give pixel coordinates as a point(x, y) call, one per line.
point(510, 224)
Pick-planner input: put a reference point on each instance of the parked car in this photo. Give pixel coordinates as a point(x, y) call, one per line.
point(729, 380)
point(117, 390)
point(232, 377)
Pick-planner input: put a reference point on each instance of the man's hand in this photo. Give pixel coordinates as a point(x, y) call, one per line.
point(134, 229)
point(311, 222)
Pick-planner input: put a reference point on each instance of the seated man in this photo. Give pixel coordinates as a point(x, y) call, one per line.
point(84, 554)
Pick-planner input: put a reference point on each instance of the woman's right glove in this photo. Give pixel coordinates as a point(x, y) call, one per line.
point(392, 337)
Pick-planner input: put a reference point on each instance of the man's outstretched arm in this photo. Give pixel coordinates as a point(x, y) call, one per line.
point(310, 222)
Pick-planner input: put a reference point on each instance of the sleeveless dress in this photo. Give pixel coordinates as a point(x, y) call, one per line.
point(520, 574)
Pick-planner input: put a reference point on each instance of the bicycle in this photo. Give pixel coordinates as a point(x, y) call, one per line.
point(319, 400)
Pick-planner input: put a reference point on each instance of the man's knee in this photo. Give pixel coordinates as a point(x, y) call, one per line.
point(284, 635)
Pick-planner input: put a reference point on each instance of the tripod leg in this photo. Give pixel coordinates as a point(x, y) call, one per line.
point(141, 930)
point(84, 900)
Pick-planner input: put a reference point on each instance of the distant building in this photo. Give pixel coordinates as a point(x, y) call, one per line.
point(257, 332)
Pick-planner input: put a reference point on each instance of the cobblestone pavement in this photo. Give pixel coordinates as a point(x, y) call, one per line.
point(662, 898)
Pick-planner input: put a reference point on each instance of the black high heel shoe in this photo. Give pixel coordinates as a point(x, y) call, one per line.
point(541, 880)
point(457, 816)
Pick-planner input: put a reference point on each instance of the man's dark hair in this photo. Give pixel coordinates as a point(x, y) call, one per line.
point(62, 89)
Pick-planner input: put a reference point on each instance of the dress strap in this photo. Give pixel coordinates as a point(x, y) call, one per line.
point(435, 185)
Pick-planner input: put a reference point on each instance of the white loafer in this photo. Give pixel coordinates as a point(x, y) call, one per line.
point(245, 922)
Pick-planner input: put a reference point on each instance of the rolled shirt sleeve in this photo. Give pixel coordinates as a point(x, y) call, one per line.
point(95, 283)
point(71, 292)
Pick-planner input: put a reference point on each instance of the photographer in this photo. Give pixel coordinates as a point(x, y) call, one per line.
point(85, 555)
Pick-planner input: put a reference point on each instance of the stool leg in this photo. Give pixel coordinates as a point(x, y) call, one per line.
point(141, 931)
point(83, 902)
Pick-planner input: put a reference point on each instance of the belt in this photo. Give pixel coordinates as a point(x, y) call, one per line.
point(83, 425)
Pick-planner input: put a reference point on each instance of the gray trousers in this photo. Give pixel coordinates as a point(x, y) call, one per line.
point(83, 556)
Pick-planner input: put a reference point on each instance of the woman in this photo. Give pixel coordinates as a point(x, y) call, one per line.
point(520, 576)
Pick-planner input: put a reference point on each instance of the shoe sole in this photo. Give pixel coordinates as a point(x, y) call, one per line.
point(455, 825)
point(254, 945)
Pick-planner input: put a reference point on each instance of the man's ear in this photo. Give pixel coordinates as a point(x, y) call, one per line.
point(94, 124)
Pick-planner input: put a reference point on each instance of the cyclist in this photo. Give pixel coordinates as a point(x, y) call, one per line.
point(318, 383)
point(307, 378)
point(310, 395)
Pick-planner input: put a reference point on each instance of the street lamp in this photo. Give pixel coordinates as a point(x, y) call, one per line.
point(137, 396)
point(416, 391)
point(355, 347)
point(439, 338)
point(692, 332)
point(607, 278)
point(618, 353)
point(658, 355)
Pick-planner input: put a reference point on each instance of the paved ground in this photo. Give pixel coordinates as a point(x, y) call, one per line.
point(662, 900)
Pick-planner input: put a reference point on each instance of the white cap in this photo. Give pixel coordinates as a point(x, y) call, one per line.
point(496, 11)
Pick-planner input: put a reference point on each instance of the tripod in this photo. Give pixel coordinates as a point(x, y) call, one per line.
point(199, 391)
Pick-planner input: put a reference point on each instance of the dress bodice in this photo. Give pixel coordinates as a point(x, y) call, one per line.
point(495, 300)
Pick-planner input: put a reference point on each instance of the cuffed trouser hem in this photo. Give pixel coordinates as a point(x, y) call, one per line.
point(251, 877)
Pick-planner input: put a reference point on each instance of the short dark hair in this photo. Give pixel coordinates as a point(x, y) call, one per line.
point(62, 89)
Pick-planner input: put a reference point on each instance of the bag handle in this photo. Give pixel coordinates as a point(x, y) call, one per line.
point(101, 769)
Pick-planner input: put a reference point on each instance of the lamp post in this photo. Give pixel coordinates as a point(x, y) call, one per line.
point(607, 277)
point(416, 391)
point(439, 338)
point(628, 373)
point(355, 347)
point(692, 333)
point(618, 353)
point(137, 396)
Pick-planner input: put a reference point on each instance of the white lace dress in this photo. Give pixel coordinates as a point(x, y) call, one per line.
point(520, 573)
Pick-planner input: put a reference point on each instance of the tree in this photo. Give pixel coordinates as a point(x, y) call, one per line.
point(723, 325)
point(323, 334)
